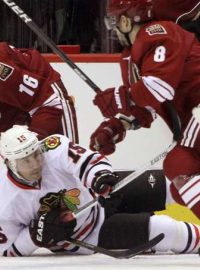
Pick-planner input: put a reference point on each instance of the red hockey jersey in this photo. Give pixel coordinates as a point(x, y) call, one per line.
point(164, 65)
point(30, 93)
point(25, 78)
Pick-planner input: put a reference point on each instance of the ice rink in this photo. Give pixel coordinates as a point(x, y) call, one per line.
point(42, 260)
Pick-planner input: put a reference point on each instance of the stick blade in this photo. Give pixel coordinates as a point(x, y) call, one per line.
point(142, 248)
point(121, 254)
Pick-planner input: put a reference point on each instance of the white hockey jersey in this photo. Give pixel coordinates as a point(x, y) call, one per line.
point(65, 166)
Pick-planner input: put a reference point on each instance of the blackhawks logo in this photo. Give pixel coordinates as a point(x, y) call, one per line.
point(71, 199)
point(64, 199)
point(52, 143)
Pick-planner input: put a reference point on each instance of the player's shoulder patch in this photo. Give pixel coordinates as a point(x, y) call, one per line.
point(51, 143)
point(156, 29)
point(5, 71)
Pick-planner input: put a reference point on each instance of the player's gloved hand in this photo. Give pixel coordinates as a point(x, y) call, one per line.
point(52, 227)
point(103, 182)
point(107, 135)
point(113, 101)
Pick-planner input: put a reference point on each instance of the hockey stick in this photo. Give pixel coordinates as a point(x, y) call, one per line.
point(138, 172)
point(120, 254)
point(29, 22)
point(131, 177)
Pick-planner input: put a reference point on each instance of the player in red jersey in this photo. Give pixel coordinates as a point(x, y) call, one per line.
point(160, 66)
point(31, 92)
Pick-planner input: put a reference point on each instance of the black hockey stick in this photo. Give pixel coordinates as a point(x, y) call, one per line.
point(121, 254)
point(49, 42)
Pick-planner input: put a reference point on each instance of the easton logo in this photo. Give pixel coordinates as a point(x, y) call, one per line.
point(159, 157)
point(5, 71)
point(40, 228)
point(17, 10)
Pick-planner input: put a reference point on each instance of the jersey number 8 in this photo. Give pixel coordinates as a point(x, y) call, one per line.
point(160, 54)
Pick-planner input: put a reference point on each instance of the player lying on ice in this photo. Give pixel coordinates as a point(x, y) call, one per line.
point(44, 182)
point(161, 74)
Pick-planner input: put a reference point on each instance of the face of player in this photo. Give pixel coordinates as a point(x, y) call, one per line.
point(124, 24)
point(126, 31)
point(30, 167)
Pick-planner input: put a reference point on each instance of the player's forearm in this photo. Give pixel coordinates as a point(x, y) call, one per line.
point(22, 246)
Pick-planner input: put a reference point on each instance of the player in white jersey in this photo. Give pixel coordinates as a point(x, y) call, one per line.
point(44, 182)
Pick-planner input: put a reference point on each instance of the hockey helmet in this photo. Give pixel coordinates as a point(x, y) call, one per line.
point(137, 10)
point(18, 142)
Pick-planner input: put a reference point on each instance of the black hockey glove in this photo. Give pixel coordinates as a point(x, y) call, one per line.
point(51, 228)
point(50, 201)
point(103, 182)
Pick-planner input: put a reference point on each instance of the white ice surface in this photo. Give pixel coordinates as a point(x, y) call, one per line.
point(44, 260)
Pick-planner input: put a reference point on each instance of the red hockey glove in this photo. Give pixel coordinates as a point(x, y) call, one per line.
point(107, 135)
point(113, 101)
point(103, 182)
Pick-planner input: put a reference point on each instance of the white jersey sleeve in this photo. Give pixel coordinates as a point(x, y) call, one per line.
point(73, 159)
point(15, 240)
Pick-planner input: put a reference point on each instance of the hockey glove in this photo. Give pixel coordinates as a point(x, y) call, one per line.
point(103, 182)
point(52, 227)
point(113, 101)
point(107, 135)
point(50, 201)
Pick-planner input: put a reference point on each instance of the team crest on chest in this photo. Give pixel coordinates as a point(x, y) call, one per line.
point(156, 29)
point(5, 71)
point(51, 143)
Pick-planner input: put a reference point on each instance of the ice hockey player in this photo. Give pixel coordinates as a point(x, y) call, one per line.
point(161, 70)
point(32, 93)
point(46, 181)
